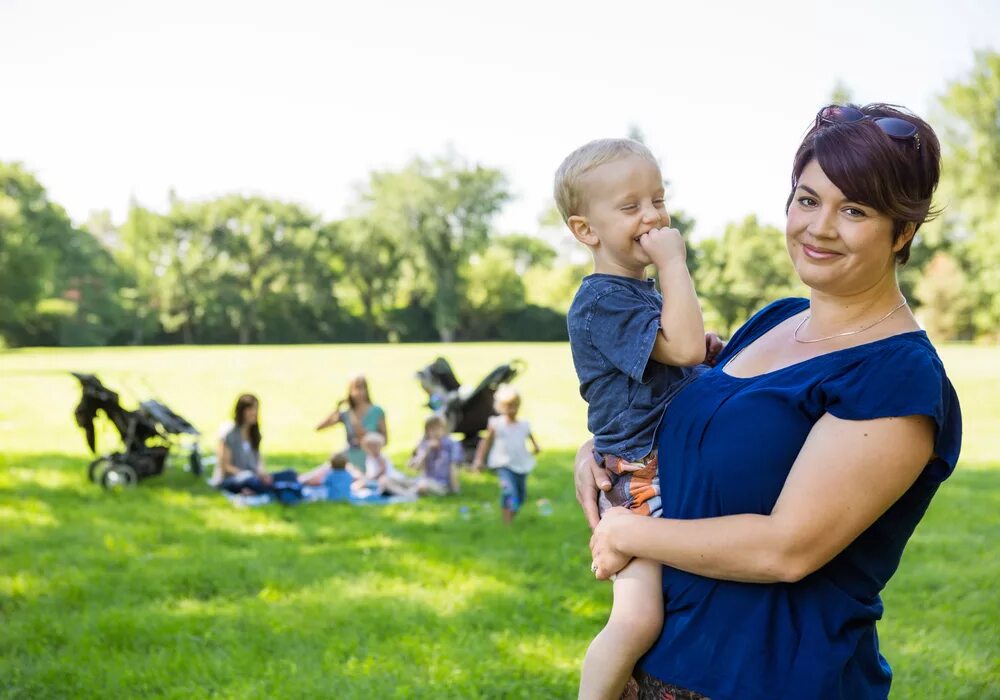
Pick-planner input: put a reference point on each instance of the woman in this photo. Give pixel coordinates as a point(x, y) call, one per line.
point(239, 467)
point(359, 416)
point(794, 471)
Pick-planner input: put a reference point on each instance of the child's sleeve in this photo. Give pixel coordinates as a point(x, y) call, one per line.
point(623, 329)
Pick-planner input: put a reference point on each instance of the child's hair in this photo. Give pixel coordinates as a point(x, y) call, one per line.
point(567, 190)
point(507, 395)
point(435, 421)
point(374, 439)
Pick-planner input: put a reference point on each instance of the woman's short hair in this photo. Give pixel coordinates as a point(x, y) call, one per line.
point(566, 188)
point(897, 177)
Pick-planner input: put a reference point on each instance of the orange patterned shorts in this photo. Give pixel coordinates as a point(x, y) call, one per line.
point(634, 485)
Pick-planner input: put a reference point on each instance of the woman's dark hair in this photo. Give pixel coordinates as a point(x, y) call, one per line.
point(242, 404)
point(897, 177)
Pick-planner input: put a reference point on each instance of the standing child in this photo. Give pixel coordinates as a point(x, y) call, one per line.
point(630, 347)
point(506, 444)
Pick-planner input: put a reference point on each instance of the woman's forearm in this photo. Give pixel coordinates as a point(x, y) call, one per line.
point(749, 548)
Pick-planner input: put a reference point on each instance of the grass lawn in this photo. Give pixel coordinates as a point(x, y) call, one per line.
point(168, 591)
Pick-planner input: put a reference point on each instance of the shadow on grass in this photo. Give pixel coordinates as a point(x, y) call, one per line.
point(168, 587)
point(169, 591)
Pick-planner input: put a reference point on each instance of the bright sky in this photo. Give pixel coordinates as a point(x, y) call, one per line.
point(301, 100)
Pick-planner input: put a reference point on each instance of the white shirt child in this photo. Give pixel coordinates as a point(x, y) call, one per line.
point(510, 445)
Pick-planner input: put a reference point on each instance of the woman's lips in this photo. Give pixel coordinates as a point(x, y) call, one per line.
point(819, 253)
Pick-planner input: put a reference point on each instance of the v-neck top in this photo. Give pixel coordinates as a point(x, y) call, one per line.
point(726, 446)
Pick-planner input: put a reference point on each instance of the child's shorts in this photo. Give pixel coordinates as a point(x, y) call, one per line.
point(634, 485)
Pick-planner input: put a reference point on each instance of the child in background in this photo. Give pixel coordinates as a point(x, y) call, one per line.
point(380, 476)
point(435, 459)
point(506, 446)
point(632, 348)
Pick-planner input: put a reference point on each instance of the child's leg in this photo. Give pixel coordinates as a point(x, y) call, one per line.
point(508, 494)
point(635, 622)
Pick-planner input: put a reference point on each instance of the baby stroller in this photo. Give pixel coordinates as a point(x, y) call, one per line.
point(147, 435)
point(465, 412)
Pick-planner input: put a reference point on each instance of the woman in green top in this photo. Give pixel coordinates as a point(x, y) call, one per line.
point(359, 416)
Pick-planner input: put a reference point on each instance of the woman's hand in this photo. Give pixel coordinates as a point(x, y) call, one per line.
point(604, 552)
point(589, 476)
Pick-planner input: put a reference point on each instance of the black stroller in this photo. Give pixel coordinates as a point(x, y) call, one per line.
point(147, 435)
point(465, 412)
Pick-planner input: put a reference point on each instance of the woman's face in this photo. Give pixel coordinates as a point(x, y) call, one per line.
point(837, 246)
point(359, 389)
point(250, 414)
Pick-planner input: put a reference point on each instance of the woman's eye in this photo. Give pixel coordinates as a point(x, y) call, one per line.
point(854, 212)
point(807, 201)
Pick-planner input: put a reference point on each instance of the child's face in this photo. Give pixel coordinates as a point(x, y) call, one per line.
point(435, 433)
point(508, 408)
point(623, 200)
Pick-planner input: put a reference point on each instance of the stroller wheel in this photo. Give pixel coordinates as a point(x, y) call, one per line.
point(119, 476)
point(96, 469)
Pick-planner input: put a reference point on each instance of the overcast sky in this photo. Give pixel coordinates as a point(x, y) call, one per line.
point(300, 100)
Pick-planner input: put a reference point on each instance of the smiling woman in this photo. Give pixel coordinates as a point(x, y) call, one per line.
point(794, 472)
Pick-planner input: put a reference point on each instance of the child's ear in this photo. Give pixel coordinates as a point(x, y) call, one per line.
point(580, 228)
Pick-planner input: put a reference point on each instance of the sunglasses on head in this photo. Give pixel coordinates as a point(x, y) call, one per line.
point(893, 127)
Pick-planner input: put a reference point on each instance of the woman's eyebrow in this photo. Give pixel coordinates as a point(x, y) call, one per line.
point(808, 189)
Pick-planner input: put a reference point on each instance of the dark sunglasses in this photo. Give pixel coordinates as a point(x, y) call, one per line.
point(893, 127)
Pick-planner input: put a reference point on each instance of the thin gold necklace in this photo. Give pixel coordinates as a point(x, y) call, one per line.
point(795, 333)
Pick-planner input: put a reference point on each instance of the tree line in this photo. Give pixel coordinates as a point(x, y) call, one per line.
point(418, 258)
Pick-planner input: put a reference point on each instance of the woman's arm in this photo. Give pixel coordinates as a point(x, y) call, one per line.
point(847, 474)
point(331, 419)
point(382, 429)
point(224, 457)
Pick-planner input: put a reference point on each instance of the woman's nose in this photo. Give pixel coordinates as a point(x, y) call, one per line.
point(823, 223)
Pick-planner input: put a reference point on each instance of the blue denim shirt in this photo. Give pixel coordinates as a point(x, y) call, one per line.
point(613, 323)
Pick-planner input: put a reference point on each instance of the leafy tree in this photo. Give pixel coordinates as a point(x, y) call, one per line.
point(970, 183)
point(740, 272)
point(372, 257)
point(24, 265)
point(943, 293)
point(443, 210)
point(527, 251)
point(44, 258)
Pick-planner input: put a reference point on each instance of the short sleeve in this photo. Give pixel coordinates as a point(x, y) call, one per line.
point(906, 379)
point(225, 428)
point(623, 328)
point(457, 455)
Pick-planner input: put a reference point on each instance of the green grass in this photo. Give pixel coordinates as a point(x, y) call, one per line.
point(168, 591)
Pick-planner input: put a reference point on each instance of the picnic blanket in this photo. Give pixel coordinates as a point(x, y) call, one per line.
point(336, 488)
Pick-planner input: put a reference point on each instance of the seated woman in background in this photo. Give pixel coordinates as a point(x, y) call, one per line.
point(359, 416)
point(239, 467)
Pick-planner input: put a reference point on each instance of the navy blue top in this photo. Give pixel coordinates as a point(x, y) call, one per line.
point(613, 322)
point(726, 447)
